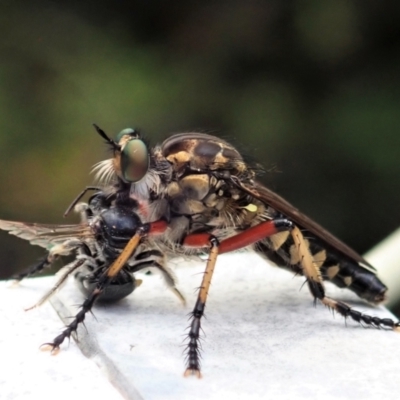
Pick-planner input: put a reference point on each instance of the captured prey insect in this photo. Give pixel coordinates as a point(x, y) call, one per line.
point(206, 190)
point(99, 239)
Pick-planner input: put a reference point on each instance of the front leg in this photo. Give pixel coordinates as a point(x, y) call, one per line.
point(243, 239)
point(104, 280)
point(54, 254)
point(192, 350)
point(87, 305)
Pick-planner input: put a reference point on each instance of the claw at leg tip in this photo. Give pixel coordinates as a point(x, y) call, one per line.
point(54, 350)
point(190, 372)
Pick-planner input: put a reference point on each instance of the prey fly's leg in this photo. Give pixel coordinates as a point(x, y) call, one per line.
point(311, 271)
point(243, 239)
point(104, 280)
point(80, 195)
point(65, 273)
point(58, 250)
point(155, 259)
point(43, 263)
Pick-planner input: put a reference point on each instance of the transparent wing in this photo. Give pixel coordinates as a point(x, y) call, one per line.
point(46, 235)
point(270, 198)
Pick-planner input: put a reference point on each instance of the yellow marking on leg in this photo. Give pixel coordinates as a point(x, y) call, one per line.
point(295, 256)
point(119, 263)
point(329, 303)
point(208, 273)
point(306, 260)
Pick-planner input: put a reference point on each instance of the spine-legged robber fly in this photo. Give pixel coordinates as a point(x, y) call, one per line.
point(213, 198)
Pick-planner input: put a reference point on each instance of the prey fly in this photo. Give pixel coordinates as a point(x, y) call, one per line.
point(106, 234)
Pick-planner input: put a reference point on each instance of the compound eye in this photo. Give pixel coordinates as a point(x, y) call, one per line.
point(134, 160)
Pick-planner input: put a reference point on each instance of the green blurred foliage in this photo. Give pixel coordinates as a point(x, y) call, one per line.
point(308, 88)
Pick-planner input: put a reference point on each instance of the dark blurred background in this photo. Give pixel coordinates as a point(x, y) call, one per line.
point(308, 88)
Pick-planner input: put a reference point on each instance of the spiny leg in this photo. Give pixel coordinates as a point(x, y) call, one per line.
point(43, 263)
point(242, 239)
point(63, 249)
point(347, 312)
point(193, 350)
point(104, 280)
point(155, 259)
point(87, 305)
point(314, 280)
point(66, 272)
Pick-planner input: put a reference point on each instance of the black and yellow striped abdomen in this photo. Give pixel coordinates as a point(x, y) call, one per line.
point(334, 266)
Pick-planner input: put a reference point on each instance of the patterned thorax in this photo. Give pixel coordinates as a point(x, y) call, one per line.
point(199, 152)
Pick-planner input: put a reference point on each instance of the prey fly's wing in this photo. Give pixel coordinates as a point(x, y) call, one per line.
point(45, 235)
point(281, 205)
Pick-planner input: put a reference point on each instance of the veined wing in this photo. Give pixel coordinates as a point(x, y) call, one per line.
point(279, 204)
point(46, 235)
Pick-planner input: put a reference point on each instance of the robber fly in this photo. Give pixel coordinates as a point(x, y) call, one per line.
point(213, 199)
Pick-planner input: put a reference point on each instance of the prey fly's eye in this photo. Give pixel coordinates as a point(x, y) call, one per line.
point(134, 160)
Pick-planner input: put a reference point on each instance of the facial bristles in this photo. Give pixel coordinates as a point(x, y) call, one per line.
point(150, 182)
point(104, 172)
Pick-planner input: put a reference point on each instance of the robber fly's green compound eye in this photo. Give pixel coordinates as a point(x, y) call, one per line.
point(134, 155)
point(134, 160)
